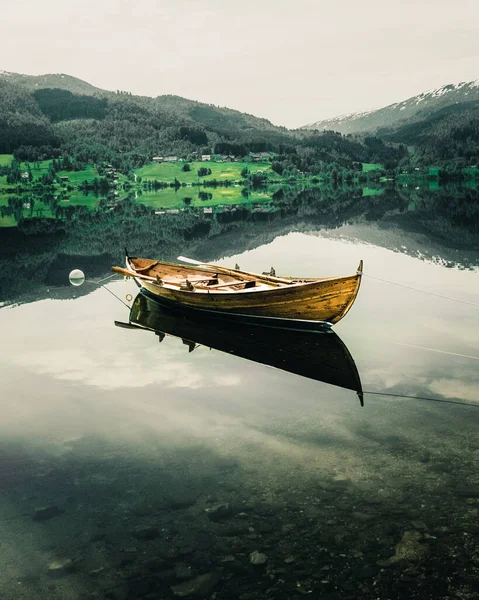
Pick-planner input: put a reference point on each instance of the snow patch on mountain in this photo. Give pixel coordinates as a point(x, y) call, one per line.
point(339, 119)
point(401, 112)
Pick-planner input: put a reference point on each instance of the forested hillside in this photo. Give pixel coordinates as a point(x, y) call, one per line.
point(37, 121)
point(21, 120)
point(447, 134)
point(439, 127)
point(51, 80)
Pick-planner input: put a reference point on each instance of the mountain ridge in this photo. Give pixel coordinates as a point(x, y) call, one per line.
point(400, 113)
point(118, 127)
point(60, 81)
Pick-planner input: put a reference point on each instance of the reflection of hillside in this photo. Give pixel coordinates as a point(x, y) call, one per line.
point(388, 234)
point(450, 214)
point(30, 260)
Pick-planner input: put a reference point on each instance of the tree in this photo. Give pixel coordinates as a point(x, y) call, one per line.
point(186, 167)
point(277, 167)
point(258, 180)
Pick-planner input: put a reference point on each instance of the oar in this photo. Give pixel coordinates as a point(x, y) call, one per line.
point(128, 273)
point(128, 325)
point(226, 271)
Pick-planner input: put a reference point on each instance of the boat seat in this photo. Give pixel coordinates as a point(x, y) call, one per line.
point(247, 284)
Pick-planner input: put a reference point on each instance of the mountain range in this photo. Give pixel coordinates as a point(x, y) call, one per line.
point(52, 80)
point(64, 112)
point(58, 110)
point(417, 108)
point(57, 114)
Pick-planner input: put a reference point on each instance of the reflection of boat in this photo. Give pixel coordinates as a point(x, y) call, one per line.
point(300, 303)
point(319, 355)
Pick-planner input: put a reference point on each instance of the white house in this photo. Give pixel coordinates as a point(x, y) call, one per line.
point(206, 157)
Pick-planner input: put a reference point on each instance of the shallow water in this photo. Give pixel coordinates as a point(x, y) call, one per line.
point(163, 470)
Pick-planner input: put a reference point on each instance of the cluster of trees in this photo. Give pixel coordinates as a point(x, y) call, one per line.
point(126, 131)
point(21, 120)
point(203, 171)
point(15, 174)
point(205, 195)
point(446, 135)
point(60, 105)
point(30, 153)
point(99, 185)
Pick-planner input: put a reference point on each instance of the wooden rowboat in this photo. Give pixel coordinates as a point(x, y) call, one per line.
point(318, 355)
point(302, 303)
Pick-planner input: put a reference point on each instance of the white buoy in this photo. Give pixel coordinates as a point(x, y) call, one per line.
point(76, 277)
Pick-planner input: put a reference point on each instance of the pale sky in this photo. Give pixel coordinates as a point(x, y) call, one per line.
point(290, 61)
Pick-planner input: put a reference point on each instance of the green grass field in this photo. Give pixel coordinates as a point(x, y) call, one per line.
point(372, 191)
point(3, 182)
point(77, 177)
point(220, 171)
point(37, 172)
point(5, 160)
point(8, 221)
point(169, 198)
point(77, 198)
point(38, 210)
point(371, 167)
point(471, 172)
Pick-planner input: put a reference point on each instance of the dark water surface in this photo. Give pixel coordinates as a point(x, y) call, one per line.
point(131, 469)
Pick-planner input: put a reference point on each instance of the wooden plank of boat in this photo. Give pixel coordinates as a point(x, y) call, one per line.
point(156, 281)
point(242, 318)
point(324, 300)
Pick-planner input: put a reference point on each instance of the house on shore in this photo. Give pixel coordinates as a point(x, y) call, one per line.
point(260, 156)
point(161, 159)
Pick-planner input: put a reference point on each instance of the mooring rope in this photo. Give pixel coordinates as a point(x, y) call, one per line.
point(473, 403)
point(408, 287)
point(435, 350)
point(117, 297)
point(104, 279)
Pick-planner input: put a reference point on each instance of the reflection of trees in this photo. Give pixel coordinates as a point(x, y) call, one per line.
point(452, 215)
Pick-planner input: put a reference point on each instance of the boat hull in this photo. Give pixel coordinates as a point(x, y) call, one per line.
point(237, 317)
point(323, 301)
point(319, 355)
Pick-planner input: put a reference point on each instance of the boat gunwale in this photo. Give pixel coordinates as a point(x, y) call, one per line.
point(302, 283)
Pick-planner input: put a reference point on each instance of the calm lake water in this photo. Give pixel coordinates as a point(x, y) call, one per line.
point(131, 469)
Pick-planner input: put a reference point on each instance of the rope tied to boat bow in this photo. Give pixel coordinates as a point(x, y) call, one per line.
point(408, 287)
